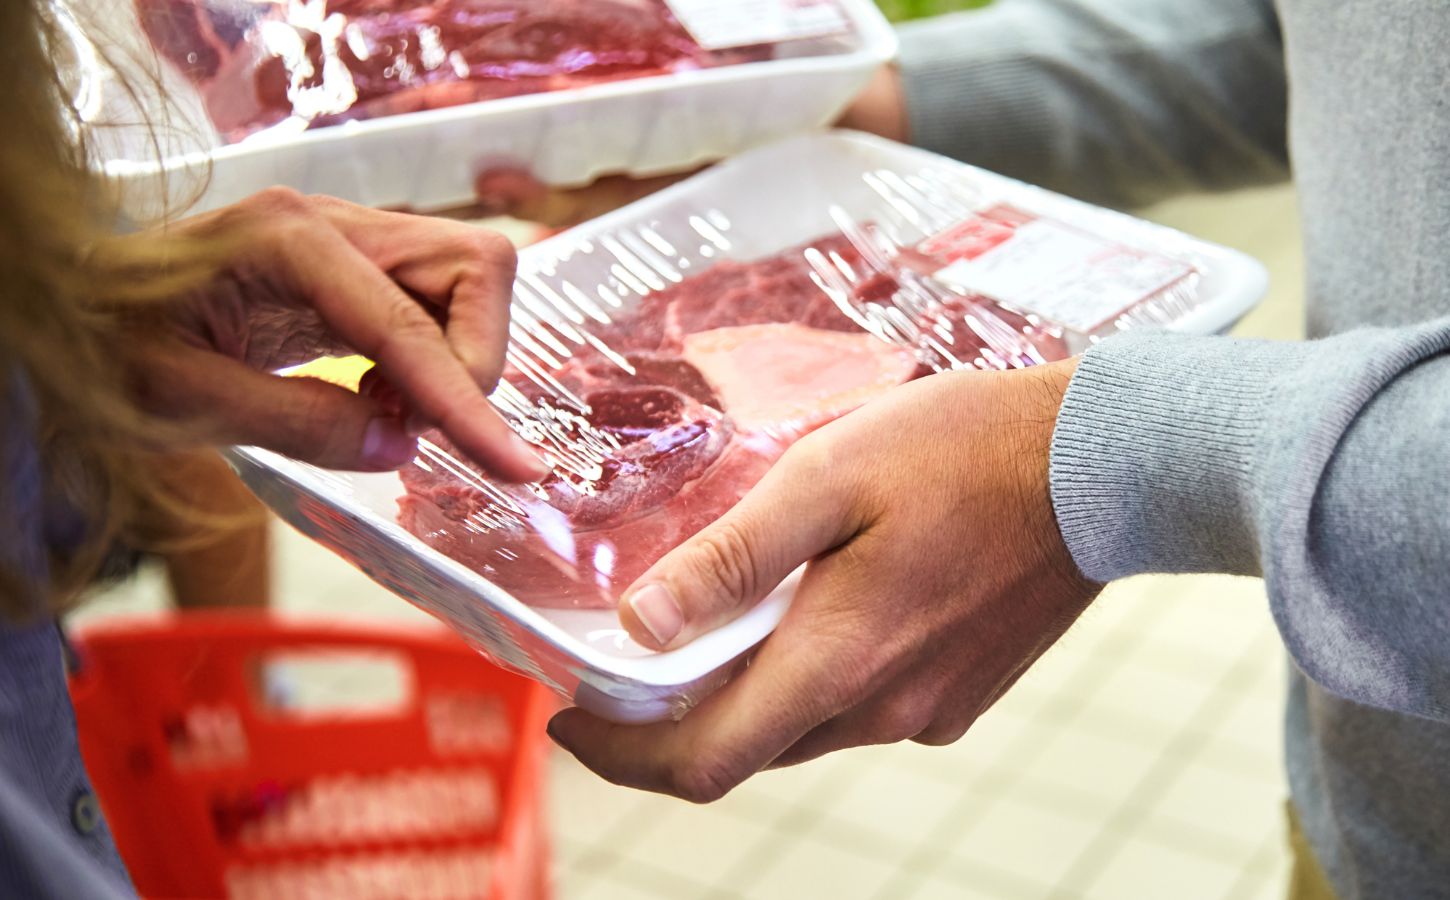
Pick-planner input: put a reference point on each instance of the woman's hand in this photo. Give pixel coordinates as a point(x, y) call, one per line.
point(936, 577)
point(303, 277)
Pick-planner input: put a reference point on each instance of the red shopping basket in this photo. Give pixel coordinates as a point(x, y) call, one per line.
point(225, 772)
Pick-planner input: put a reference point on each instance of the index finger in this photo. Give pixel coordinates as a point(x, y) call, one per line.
point(800, 678)
point(376, 317)
point(465, 271)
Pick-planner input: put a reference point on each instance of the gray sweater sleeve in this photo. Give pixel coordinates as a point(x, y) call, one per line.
point(1323, 466)
point(1117, 101)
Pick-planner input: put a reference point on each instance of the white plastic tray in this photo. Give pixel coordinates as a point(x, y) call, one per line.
point(429, 160)
point(753, 206)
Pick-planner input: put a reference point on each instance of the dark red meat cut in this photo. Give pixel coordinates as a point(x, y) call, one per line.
point(732, 293)
point(725, 370)
point(573, 541)
point(258, 64)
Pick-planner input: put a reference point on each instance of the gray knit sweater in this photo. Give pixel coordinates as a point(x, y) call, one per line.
point(1323, 466)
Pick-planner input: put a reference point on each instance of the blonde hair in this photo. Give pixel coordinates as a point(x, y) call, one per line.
point(68, 288)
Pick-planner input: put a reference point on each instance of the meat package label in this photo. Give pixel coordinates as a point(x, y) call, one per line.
point(1048, 268)
point(723, 24)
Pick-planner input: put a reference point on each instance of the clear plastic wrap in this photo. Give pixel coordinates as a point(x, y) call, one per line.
point(404, 103)
point(665, 356)
point(292, 66)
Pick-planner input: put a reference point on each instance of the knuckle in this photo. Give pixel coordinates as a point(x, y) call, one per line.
point(848, 692)
point(487, 261)
point(877, 660)
point(856, 679)
point(483, 253)
point(330, 203)
point(406, 319)
point(289, 232)
point(486, 372)
point(318, 431)
point(279, 199)
point(940, 735)
point(704, 779)
point(725, 558)
point(833, 469)
point(275, 216)
point(903, 719)
point(405, 327)
point(858, 674)
point(496, 249)
point(810, 457)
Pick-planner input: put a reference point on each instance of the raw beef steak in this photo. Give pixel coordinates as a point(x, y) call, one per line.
point(579, 541)
point(725, 371)
point(257, 64)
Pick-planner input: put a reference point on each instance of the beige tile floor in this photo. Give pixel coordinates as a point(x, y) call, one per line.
point(1138, 761)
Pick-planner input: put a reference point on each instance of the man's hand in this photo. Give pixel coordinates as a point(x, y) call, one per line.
point(514, 191)
point(936, 576)
point(302, 277)
point(880, 109)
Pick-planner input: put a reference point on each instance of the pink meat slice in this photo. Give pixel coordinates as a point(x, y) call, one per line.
point(786, 380)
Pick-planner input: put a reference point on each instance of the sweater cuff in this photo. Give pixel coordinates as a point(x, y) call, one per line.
point(1154, 454)
point(974, 92)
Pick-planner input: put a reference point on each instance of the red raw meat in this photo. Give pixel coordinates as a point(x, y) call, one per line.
point(728, 369)
point(577, 542)
point(257, 64)
point(730, 293)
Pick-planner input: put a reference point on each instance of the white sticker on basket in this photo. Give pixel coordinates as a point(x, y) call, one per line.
point(1046, 267)
point(722, 24)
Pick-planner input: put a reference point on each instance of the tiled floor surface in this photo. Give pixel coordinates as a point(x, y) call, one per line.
point(1138, 761)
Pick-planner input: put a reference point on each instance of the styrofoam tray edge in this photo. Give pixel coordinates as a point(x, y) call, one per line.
point(661, 670)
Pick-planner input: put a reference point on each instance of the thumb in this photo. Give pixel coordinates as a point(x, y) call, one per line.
point(303, 418)
point(798, 512)
point(328, 426)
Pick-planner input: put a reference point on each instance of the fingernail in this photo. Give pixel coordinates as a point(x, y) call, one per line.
point(525, 451)
point(387, 445)
point(659, 612)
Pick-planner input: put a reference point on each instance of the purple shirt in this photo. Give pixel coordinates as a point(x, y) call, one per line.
point(53, 839)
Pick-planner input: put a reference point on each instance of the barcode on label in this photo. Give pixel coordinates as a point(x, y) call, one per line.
point(722, 24)
point(1051, 269)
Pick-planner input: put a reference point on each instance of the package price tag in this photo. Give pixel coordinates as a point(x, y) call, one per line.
point(1049, 268)
point(723, 24)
